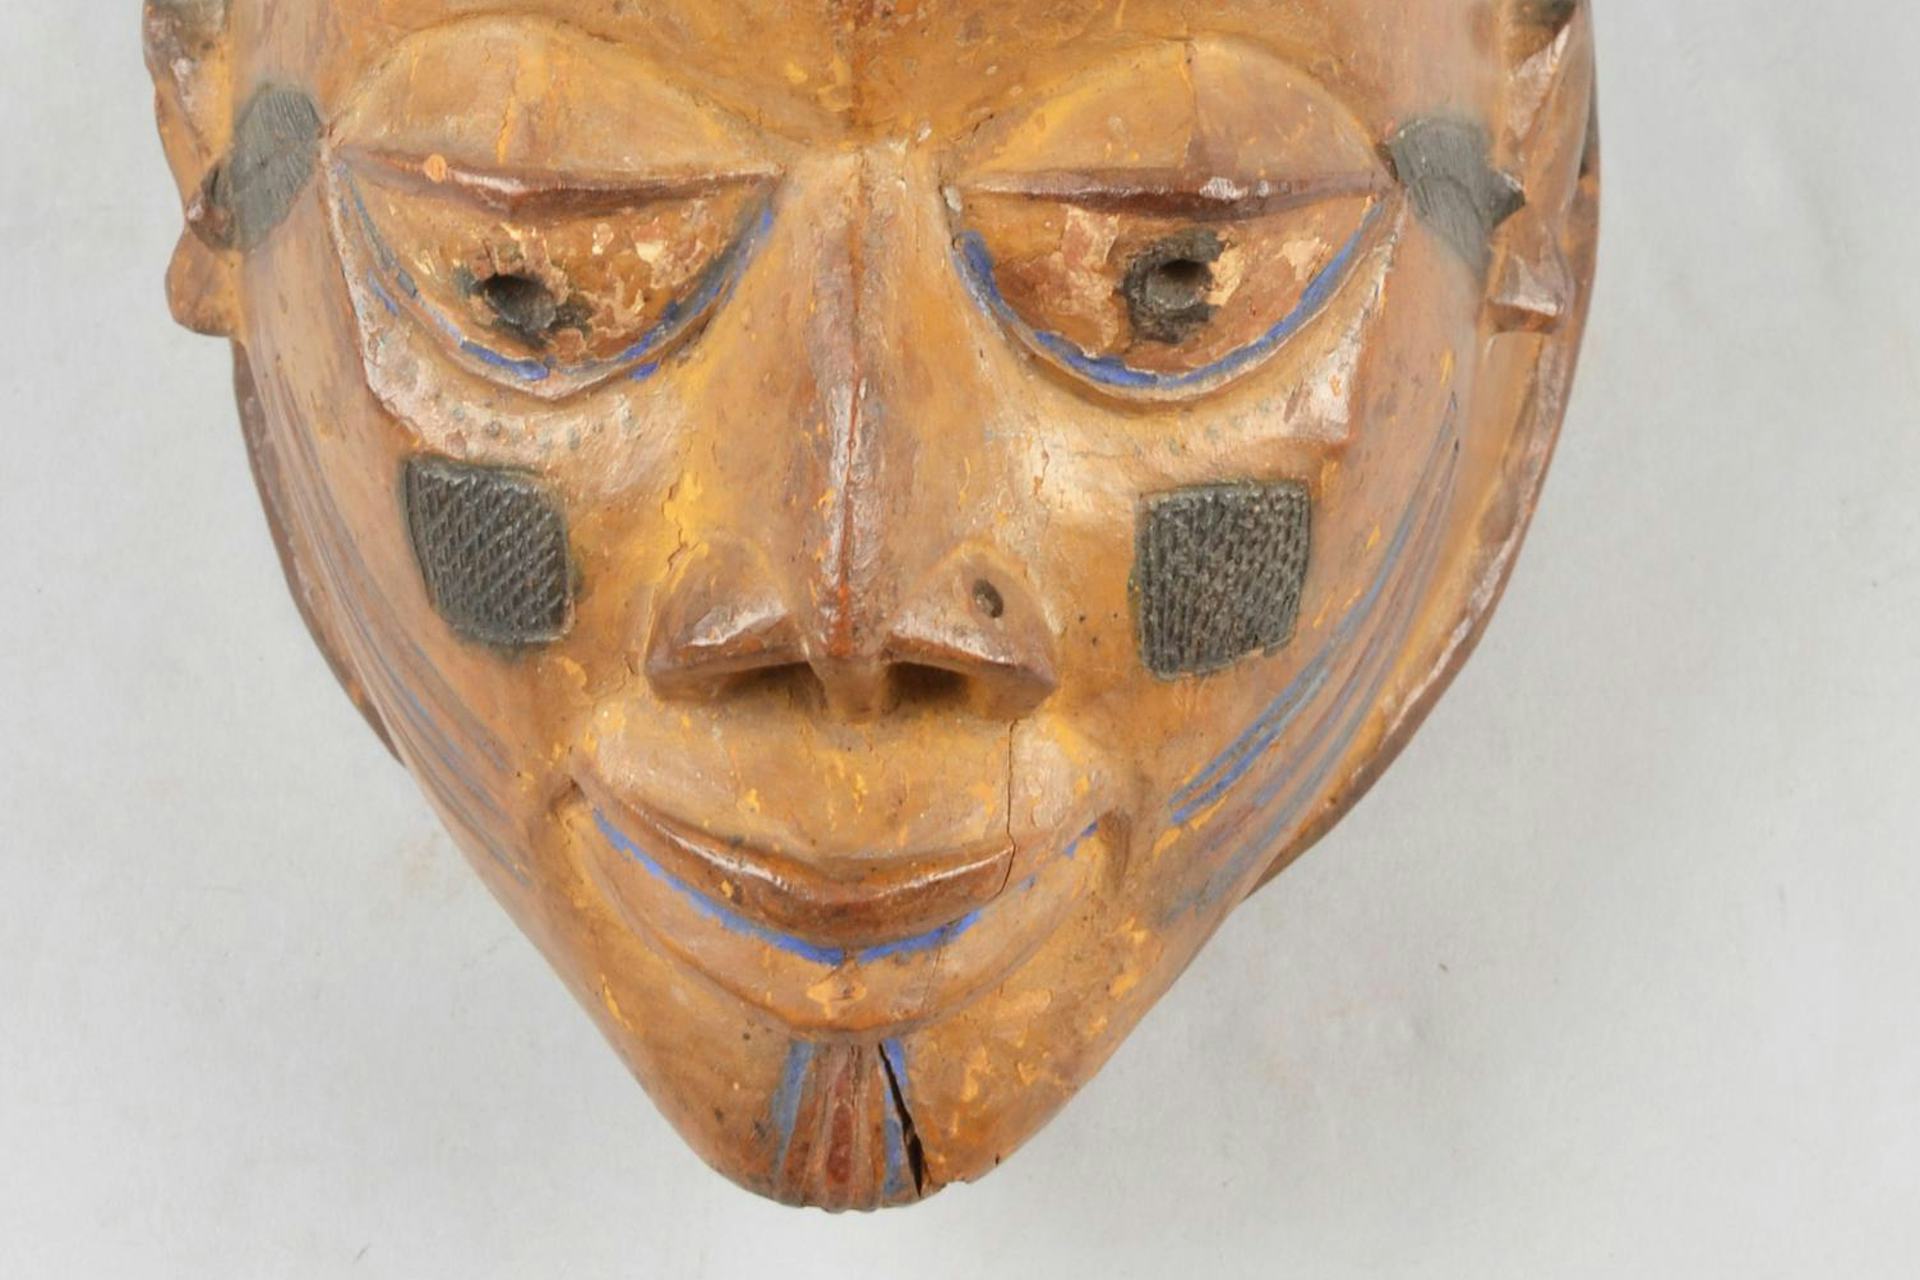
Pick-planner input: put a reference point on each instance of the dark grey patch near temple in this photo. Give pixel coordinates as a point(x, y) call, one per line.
point(276, 145)
point(1219, 574)
point(492, 546)
point(184, 28)
point(1445, 167)
point(1534, 25)
point(1546, 18)
point(1166, 286)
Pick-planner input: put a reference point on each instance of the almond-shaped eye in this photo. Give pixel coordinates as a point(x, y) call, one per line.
point(1166, 301)
point(551, 295)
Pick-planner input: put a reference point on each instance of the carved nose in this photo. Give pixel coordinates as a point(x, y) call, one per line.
point(970, 632)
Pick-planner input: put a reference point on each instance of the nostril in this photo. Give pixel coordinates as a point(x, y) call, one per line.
point(915, 684)
point(721, 621)
point(988, 600)
point(981, 628)
point(972, 637)
point(792, 684)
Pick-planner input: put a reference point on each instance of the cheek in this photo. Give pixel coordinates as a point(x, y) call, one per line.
point(447, 590)
point(1264, 600)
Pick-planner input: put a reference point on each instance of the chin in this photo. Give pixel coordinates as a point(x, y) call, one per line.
point(810, 1069)
point(797, 1003)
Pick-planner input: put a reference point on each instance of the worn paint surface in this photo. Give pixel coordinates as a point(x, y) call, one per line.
point(949, 498)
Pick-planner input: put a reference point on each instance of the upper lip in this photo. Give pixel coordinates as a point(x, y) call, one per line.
point(835, 901)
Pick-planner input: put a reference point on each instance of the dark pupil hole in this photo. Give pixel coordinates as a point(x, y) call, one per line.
point(1180, 284)
point(987, 598)
point(1166, 286)
point(522, 304)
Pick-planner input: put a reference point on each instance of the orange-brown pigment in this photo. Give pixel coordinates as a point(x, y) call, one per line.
point(843, 791)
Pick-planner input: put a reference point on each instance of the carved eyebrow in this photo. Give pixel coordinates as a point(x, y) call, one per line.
point(525, 193)
point(1179, 193)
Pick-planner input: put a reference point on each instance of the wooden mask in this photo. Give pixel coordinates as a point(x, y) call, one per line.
point(876, 523)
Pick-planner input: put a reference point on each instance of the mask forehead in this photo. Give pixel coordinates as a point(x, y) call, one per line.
point(857, 69)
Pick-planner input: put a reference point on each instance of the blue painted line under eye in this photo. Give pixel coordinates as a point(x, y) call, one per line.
point(380, 250)
point(716, 284)
point(526, 370)
point(977, 267)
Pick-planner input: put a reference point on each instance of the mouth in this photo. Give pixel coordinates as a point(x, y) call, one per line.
point(831, 941)
point(828, 903)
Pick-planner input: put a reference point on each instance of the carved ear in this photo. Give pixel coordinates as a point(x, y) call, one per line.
point(1543, 144)
point(188, 55)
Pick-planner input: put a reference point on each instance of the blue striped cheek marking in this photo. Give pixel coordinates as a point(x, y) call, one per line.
point(1338, 725)
point(1226, 770)
point(1353, 707)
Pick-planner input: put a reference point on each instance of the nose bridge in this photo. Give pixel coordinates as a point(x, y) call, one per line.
point(862, 459)
point(871, 467)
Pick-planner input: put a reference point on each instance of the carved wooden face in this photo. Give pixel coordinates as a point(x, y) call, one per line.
point(877, 524)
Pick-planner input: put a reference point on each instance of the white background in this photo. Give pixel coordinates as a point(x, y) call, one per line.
point(1616, 974)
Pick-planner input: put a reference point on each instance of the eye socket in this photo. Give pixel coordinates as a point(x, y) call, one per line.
point(1165, 220)
point(552, 293)
point(1164, 301)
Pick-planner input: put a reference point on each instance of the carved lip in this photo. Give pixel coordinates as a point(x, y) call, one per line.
point(833, 902)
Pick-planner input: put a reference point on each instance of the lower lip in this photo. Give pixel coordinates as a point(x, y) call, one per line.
point(813, 987)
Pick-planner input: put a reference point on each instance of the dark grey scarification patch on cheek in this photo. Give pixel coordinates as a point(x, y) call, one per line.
point(1219, 573)
point(492, 546)
point(276, 145)
point(1445, 166)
